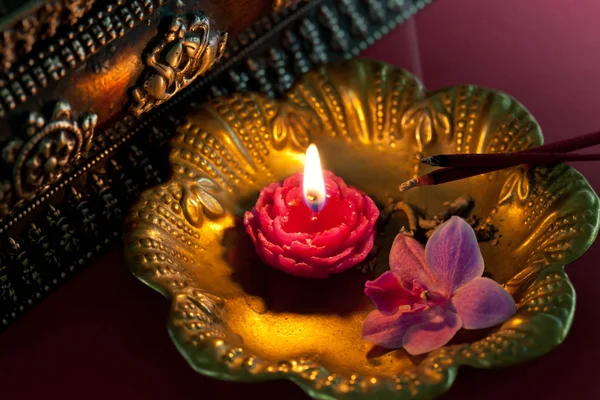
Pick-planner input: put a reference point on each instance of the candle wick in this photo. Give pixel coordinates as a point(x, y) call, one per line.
point(313, 202)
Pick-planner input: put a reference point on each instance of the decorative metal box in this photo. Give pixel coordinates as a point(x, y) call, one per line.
point(90, 92)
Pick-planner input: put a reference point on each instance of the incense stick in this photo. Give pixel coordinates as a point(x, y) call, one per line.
point(475, 160)
point(462, 166)
point(445, 175)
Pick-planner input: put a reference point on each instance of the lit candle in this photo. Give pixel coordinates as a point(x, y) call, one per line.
point(312, 224)
point(313, 184)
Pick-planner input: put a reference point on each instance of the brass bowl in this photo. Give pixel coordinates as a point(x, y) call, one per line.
point(233, 318)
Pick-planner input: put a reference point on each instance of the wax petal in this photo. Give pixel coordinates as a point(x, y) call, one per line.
point(266, 195)
point(482, 303)
point(388, 293)
point(272, 247)
point(336, 236)
point(388, 331)
point(266, 222)
point(360, 253)
point(354, 213)
point(332, 238)
point(360, 230)
point(355, 196)
point(432, 334)
point(282, 236)
point(453, 256)
point(407, 257)
point(279, 202)
point(293, 181)
point(370, 209)
point(331, 261)
point(270, 213)
point(300, 250)
point(346, 191)
point(366, 224)
point(291, 266)
point(333, 184)
point(293, 196)
point(331, 189)
point(251, 224)
point(265, 215)
point(339, 182)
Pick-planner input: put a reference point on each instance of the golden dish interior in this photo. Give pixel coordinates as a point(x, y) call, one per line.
point(235, 318)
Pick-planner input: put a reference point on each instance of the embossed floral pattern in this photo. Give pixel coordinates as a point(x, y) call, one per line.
point(199, 198)
point(292, 126)
point(49, 160)
point(428, 121)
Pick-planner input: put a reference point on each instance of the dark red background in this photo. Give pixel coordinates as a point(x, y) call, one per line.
point(103, 333)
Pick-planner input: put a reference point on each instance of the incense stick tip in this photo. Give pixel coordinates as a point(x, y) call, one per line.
point(407, 185)
point(434, 161)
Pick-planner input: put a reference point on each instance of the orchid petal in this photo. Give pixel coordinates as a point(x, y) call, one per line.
point(482, 303)
point(433, 333)
point(388, 330)
point(387, 292)
point(407, 257)
point(453, 255)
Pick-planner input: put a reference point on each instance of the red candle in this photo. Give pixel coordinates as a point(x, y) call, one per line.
point(312, 224)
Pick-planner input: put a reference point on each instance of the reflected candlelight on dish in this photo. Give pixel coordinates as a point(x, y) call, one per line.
point(312, 224)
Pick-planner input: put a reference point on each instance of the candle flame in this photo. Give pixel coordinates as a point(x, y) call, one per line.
point(313, 186)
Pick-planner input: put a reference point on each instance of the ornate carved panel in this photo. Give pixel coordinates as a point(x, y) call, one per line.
point(26, 69)
point(43, 23)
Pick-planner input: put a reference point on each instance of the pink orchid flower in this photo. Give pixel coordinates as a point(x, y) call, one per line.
point(430, 293)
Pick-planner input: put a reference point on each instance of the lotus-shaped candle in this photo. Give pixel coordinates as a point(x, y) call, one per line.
point(312, 231)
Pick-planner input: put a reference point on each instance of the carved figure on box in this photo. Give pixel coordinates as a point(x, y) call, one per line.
point(188, 48)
